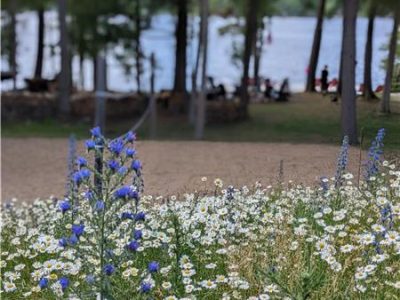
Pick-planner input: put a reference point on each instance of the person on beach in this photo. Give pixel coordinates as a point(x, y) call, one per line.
point(268, 89)
point(324, 80)
point(284, 91)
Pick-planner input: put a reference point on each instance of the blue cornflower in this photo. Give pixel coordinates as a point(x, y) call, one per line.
point(63, 242)
point(85, 174)
point(136, 165)
point(113, 165)
point(153, 267)
point(130, 136)
point(133, 245)
point(108, 269)
point(137, 234)
point(127, 215)
point(99, 206)
point(90, 144)
point(116, 146)
point(96, 132)
point(64, 206)
point(140, 216)
point(78, 229)
point(130, 152)
point(123, 192)
point(64, 282)
point(43, 282)
point(123, 170)
point(133, 195)
point(81, 162)
point(79, 176)
point(89, 195)
point(73, 240)
point(374, 155)
point(145, 287)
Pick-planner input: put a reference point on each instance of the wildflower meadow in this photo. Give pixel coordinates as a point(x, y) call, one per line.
point(108, 240)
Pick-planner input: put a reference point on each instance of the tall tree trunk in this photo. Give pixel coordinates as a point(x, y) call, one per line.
point(100, 110)
point(201, 107)
point(250, 35)
point(64, 78)
point(81, 70)
point(368, 91)
point(385, 107)
point(96, 71)
point(348, 105)
point(138, 52)
point(195, 72)
point(181, 43)
point(105, 73)
point(153, 101)
point(94, 62)
point(40, 45)
point(316, 46)
point(13, 42)
point(258, 45)
point(71, 69)
point(339, 86)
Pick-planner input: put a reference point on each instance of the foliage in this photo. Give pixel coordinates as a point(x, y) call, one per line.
point(90, 26)
point(5, 37)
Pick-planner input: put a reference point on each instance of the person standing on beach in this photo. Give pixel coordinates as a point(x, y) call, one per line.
point(324, 80)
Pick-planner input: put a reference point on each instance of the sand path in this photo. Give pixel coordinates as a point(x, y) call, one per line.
point(36, 167)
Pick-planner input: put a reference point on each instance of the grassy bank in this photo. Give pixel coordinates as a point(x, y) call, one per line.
point(306, 119)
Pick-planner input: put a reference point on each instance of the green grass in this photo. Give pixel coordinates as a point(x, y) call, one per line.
point(306, 119)
point(47, 128)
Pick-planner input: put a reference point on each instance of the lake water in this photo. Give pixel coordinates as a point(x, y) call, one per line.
point(286, 56)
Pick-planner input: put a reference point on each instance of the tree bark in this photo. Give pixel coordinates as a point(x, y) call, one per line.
point(339, 86)
point(100, 111)
point(95, 71)
point(81, 70)
point(316, 46)
point(385, 106)
point(368, 92)
point(348, 103)
point(201, 107)
point(94, 58)
point(153, 100)
point(40, 45)
point(195, 72)
point(250, 35)
point(13, 42)
point(64, 78)
point(181, 42)
point(138, 53)
point(258, 45)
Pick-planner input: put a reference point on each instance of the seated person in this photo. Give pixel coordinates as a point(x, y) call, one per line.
point(268, 89)
point(215, 92)
point(284, 91)
point(221, 92)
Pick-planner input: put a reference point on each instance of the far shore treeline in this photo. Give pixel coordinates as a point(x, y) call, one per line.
point(90, 29)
